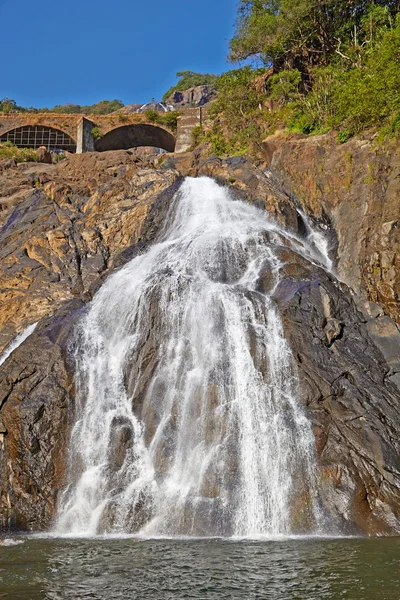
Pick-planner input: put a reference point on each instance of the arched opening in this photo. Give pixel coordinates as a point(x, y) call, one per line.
point(133, 136)
point(33, 136)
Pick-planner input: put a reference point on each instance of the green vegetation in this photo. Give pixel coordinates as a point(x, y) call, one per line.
point(315, 67)
point(8, 105)
point(344, 136)
point(169, 119)
point(235, 112)
point(7, 150)
point(198, 135)
point(188, 79)
point(104, 107)
point(96, 133)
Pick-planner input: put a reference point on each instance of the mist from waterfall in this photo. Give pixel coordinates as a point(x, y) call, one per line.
point(188, 419)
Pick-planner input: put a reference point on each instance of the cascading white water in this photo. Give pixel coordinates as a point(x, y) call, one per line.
point(188, 419)
point(317, 242)
point(16, 343)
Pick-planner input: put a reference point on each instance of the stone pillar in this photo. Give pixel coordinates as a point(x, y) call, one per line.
point(191, 118)
point(84, 136)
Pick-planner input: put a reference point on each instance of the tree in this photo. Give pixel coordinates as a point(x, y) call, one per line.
point(104, 107)
point(301, 34)
point(8, 105)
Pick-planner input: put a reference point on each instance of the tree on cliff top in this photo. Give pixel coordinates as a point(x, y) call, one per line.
point(335, 66)
point(302, 34)
point(189, 79)
point(8, 105)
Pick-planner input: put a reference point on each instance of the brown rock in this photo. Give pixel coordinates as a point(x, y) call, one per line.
point(357, 186)
point(66, 234)
point(44, 156)
point(333, 330)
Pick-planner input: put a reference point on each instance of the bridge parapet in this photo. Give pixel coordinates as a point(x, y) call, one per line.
point(22, 129)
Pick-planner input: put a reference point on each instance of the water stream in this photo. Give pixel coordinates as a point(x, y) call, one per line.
point(16, 343)
point(188, 418)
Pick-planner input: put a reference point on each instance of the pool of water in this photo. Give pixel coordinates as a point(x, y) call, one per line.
point(124, 569)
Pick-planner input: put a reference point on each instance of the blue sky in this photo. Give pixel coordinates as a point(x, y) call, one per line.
point(83, 51)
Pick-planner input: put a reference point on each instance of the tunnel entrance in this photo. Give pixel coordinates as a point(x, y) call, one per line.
point(33, 136)
point(133, 136)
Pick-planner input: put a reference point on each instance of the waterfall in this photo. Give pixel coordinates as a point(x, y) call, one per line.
point(16, 343)
point(317, 243)
point(188, 415)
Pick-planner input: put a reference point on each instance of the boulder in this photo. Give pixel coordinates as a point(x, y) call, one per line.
point(193, 97)
point(44, 156)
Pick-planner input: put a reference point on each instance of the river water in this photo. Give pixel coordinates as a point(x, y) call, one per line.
point(124, 569)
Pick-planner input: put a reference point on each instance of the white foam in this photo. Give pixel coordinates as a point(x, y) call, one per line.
point(17, 342)
point(216, 441)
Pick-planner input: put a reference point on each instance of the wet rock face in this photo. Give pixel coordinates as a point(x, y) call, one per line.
point(65, 227)
point(36, 396)
point(245, 180)
point(57, 244)
point(348, 388)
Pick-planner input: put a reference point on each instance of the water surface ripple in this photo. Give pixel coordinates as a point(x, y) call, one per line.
point(115, 569)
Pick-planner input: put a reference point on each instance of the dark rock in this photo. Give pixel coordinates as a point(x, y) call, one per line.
point(36, 407)
point(333, 331)
point(195, 96)
point(354, 408)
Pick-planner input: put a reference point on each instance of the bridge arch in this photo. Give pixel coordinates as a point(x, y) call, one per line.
point(135, 135)
point(33, 136)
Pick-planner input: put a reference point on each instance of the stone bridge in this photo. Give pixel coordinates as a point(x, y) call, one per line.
point(88, 133)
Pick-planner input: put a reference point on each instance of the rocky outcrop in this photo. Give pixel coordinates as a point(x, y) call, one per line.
point(36, 398)
point(82, 219)
point(44, 156)
point(350, 395)
point(356, 186)
point(193, 97)
point(65, 227)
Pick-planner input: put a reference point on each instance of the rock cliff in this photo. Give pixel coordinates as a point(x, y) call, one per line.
point(65, 227)
point(195, 96)
point(356, 186)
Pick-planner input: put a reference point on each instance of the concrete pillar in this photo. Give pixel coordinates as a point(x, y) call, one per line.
point(191, 118)
point(84, 136)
